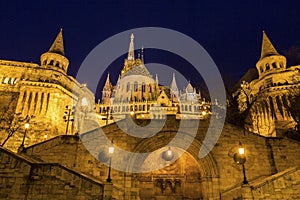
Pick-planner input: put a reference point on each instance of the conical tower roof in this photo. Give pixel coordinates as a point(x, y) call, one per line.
point(58, 44)
point(267, 48)
point(108, 84)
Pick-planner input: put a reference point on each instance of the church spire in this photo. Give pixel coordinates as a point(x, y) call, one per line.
point(173, 84)
point(174, 89)
point(267, 48)
point(107, 91)
point(107, 85)
point(58, 44)
point(131, 48)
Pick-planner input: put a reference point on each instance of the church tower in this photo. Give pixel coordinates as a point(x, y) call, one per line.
point(129, 62)
point(174, 90)
point(107, 91)
point(55, 57)
point(270, 60)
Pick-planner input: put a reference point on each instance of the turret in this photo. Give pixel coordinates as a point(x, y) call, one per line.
point(107, 91)
point(55, 57)
point(270, 60)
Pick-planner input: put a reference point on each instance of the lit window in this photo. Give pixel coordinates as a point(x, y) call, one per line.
point(84, 102)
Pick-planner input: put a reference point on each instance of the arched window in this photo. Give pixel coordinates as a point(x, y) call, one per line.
point(267, 66)
point(143, 87)
point(274, 65)
point(128, 87)
point(135, 86)
point(6, 80)
point(84, 101)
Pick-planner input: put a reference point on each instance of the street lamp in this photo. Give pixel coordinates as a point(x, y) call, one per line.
point(68, 117)
point(111, 150)
point(26, 126)
point(240, 159)
point(168, 155)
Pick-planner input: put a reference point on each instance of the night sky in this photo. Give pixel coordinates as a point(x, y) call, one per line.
point(230, 31)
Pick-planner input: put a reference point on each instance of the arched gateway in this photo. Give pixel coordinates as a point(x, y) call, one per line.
point(187, 177)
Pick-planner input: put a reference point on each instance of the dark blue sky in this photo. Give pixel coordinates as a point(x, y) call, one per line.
point(230, 31)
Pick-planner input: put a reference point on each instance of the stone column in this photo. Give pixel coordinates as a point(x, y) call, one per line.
point(107, 191)
point(25, 103)
point(38, 104)
point(45, 104)
point(32, 104)
point(20, 103)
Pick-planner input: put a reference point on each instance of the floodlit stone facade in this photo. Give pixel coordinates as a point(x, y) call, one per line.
point(75, 166)
point(139, 95)
point(41, 91)
point(269, 95)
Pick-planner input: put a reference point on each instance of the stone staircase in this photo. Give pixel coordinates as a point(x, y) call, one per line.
point(22, 177)
point(282, 185)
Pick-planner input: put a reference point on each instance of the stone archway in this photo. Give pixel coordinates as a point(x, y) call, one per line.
point(179, 180)
point(187, 178)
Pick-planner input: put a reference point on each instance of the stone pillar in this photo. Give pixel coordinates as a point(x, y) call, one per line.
point(246, 192)
point(38, 104)
point(107, 191)
point(20, 103)
point(26, 102)
point(32, 104)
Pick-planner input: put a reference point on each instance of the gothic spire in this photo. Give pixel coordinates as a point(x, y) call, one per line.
point(174, 89)
point(173, 84)
point(107, 85)
point(131, 48)
point(267, 48)
point(58, 44)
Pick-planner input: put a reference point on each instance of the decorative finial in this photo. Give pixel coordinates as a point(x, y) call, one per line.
point(131, 49)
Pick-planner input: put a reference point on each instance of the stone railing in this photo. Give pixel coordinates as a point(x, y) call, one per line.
point(36, 180)
point(282, 185)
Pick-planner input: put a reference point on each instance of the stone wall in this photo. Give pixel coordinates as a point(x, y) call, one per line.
point(25, 178)
point(265, 156)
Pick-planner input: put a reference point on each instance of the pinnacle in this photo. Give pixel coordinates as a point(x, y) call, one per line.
point(58, 44)
point(131, 49)
point(267, 48)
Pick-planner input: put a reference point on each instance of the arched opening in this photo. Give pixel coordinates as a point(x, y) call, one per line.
point(188, 177)
point(178, 180)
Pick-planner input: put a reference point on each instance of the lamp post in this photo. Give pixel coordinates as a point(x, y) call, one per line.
point(168, 155)
point(111, 150)
point(107, 115)
point(67, 117)
point(240, 158)
point(26, 126)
